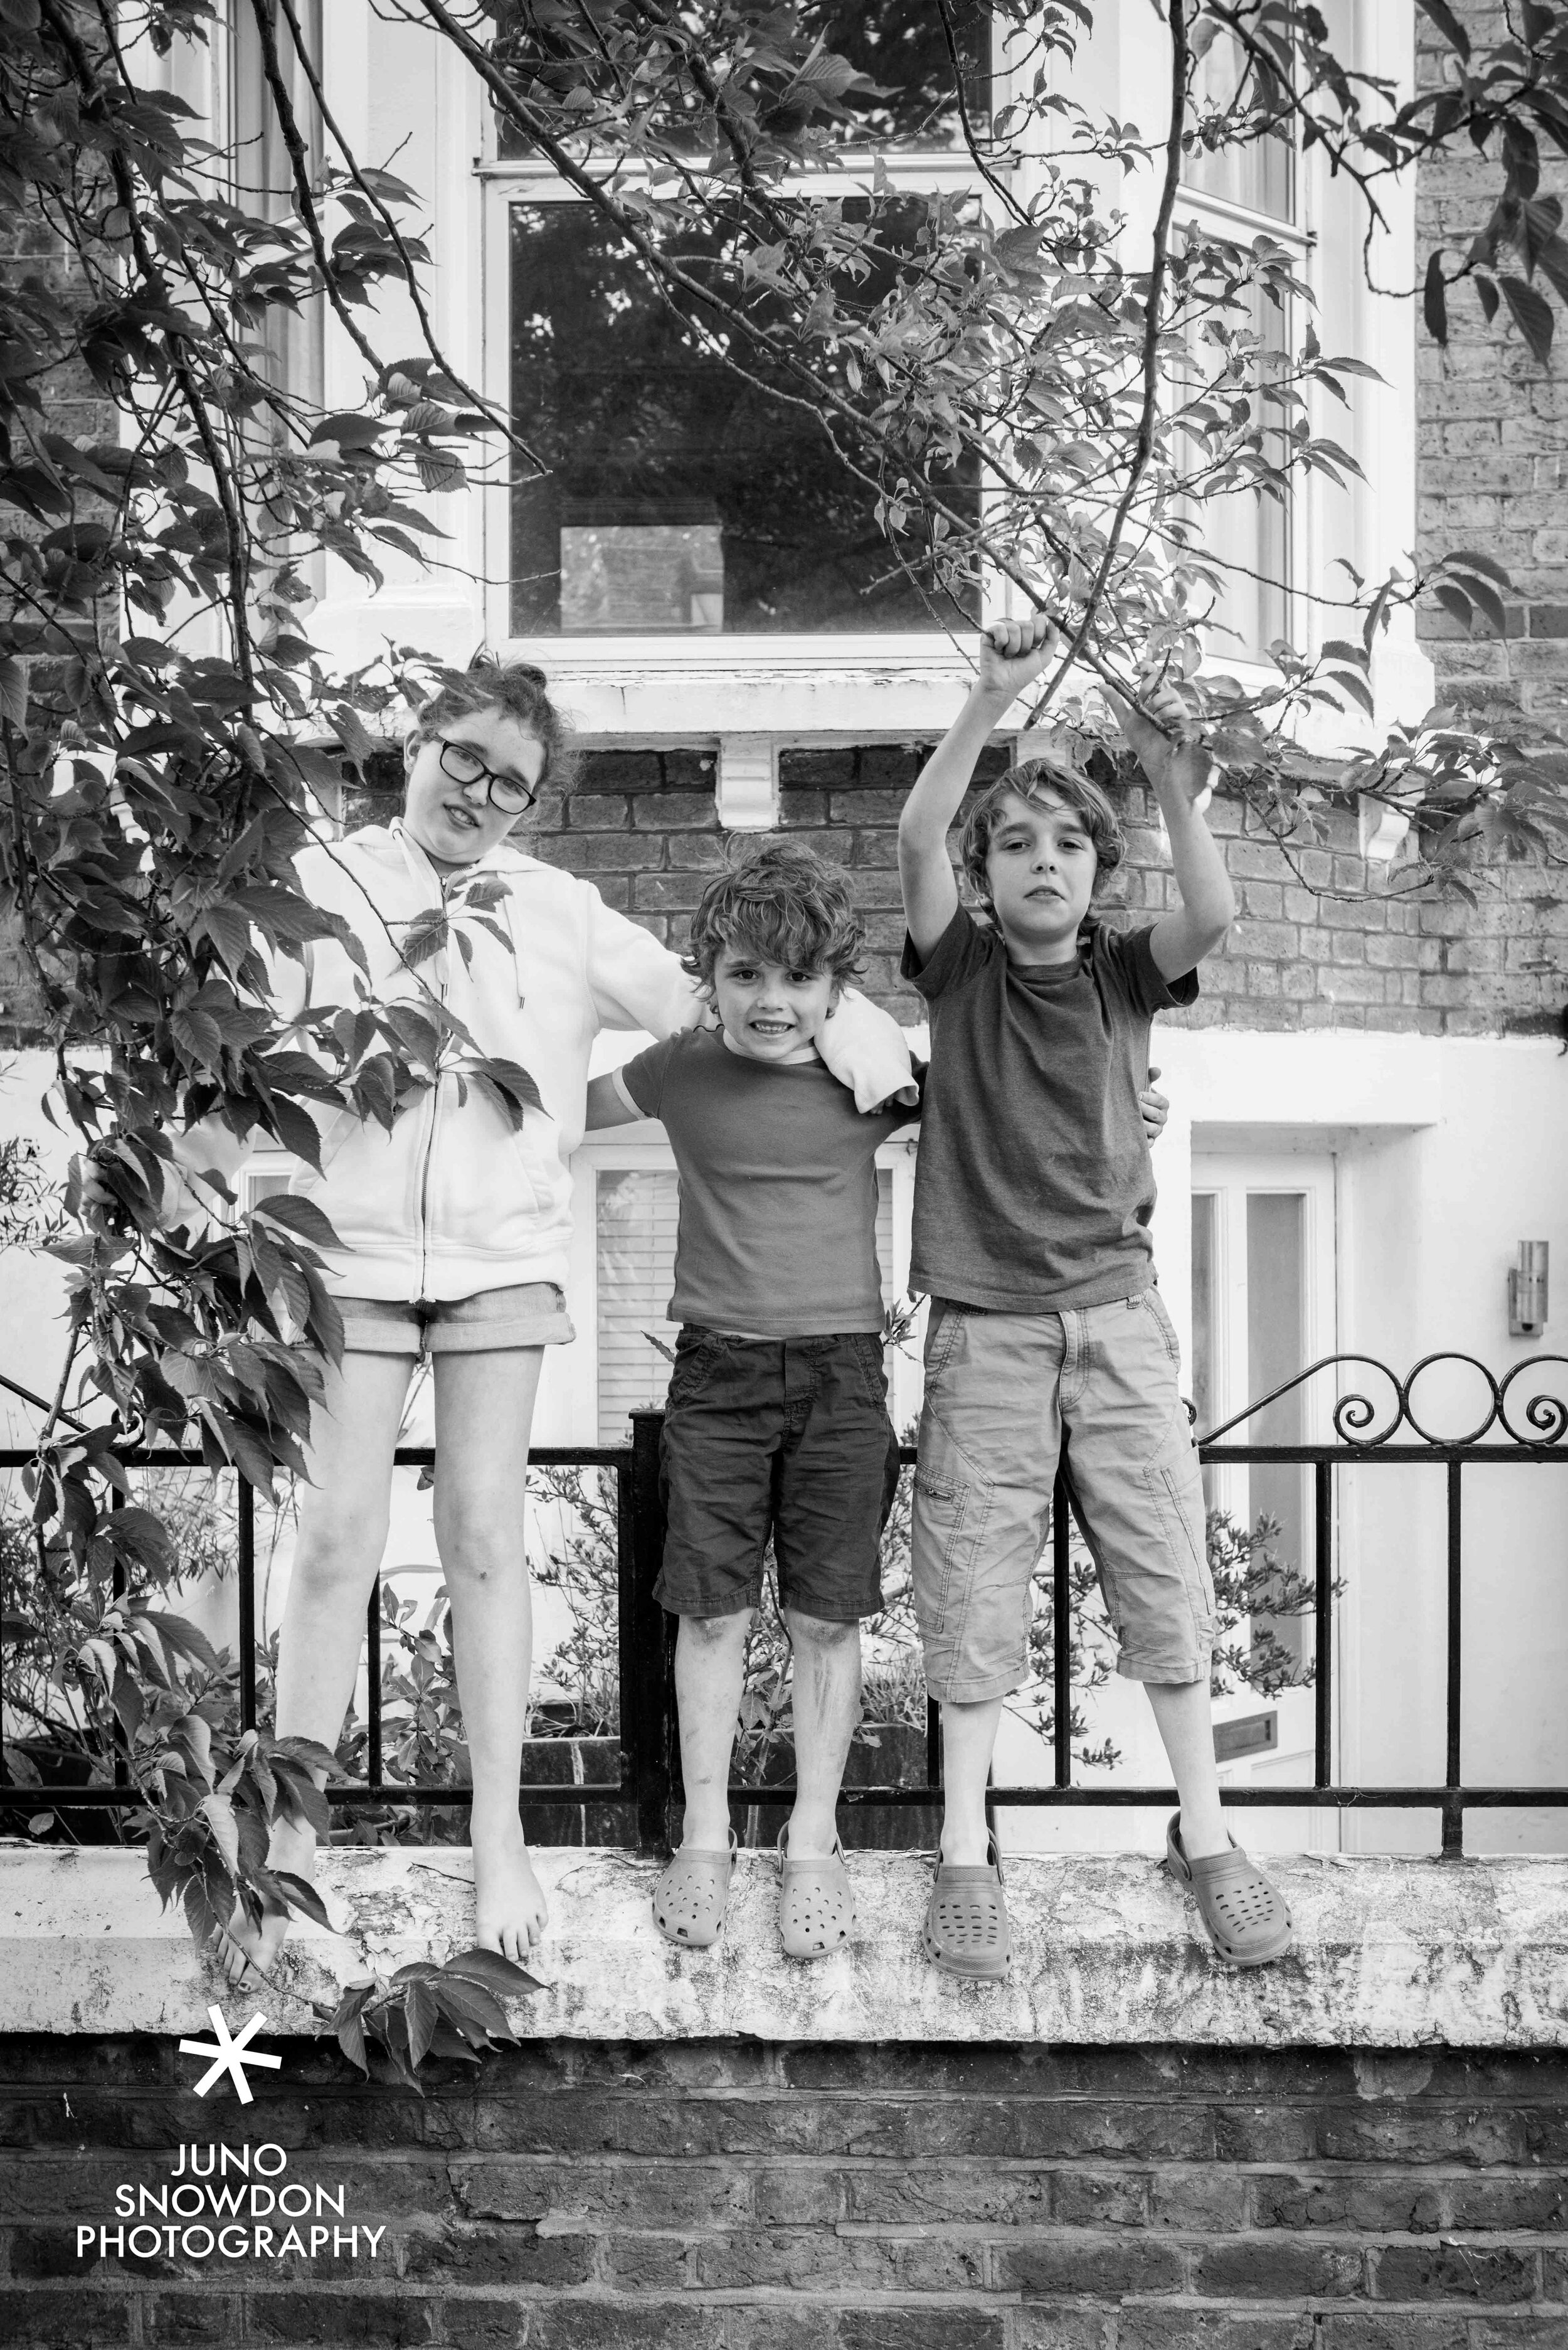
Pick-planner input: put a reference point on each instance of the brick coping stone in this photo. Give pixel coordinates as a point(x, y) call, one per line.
point(1392, 1953)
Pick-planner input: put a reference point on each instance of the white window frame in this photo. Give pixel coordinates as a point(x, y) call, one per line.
point(783, 687)
point(1230, 1177)
point(1220, 216)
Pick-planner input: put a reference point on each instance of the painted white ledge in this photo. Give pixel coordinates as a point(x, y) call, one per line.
point(1394, 1954)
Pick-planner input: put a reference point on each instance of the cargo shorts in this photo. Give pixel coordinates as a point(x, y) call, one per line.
point(1008, 1394)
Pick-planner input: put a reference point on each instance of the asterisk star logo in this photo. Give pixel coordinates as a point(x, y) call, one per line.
point(230, 2054)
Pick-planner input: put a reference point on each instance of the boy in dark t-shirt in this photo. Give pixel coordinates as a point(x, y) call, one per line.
point(777, 1417)
point(1047, 1338)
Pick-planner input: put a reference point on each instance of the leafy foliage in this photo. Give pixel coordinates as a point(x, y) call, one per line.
point(453, 2012)
point(173, 496)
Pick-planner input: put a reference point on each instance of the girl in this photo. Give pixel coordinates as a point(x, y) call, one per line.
point(455, 1228)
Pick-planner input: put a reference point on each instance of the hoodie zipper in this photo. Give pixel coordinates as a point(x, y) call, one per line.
point(422, 1210)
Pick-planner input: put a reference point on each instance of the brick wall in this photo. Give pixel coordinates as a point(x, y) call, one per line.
point(725, 2196)
point(1321, 941)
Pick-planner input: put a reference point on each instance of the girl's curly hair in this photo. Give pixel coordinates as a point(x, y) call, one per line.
point(1035, 780)
point(780, 902)
point(520, 691)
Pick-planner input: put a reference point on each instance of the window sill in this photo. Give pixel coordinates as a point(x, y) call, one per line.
point(1394, 1954)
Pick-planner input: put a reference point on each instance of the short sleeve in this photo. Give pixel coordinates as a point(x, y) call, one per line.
point(1130, 955)
point(641, 1080)
point(962, 948)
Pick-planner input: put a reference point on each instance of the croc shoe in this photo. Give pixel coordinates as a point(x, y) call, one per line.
point(966, 1930)
point(1244, 1915)
point(692, 1894)
point(816, 1907)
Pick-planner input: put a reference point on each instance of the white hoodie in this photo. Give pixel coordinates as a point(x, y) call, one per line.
point(452, 1199)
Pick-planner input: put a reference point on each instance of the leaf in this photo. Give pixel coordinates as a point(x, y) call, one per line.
point(355, 736)
point(301, 1216)
point(498, 1974)
point(13, 692)
point(425, 936)
point(1464, 558)
point(1532, 315)
point(1351, 683)
point(1487, 292)
point(302, 1897)
point(219, 1812)
point(1455, 603)
point(1435, 300)
point(424, 2016)
point(1447, 24)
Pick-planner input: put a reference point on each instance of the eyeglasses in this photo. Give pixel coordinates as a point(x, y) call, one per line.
point(465, 767)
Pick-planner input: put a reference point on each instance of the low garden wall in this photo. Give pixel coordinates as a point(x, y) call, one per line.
point(1123, 2148)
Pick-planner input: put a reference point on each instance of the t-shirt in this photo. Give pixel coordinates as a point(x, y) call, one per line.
point(1034, 1186)
point(777, 1234)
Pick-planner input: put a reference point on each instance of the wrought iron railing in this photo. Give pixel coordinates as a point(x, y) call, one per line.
point(1530, 1435)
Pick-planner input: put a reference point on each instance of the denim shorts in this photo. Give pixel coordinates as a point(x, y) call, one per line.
point(528, 1314)
point(783, 1436)
point(1006, 1396)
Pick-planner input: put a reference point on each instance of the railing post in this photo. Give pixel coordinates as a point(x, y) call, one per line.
point(246, 1503)
point(1322, 1618)
point(373, 1762)
point(119, 1737)
point(1061, 1633)
point(1453, 1761)
point(646, 1653)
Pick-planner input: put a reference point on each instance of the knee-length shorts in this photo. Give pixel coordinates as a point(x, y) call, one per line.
point(1008, 1394)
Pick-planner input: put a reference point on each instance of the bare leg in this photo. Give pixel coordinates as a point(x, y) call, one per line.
point(827, 1713)
point(483, 1412)
point(710, 1671)
point(343, 1518)
point(1184, 1717)
point(969, 1741)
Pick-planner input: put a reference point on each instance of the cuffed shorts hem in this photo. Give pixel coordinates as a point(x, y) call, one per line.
point(974, 1692)
point(527, 1314)
point(1178, 1672)
point(679, 1602)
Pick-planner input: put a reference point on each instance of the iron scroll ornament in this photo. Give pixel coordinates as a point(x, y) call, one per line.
point(1355, 1414)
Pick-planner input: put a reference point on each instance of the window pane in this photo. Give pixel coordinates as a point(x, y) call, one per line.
point(900, 45)
point(1260, 175)
point(1244, 533)
point(1276, 1351)
point(903, 46)
point(680, 499)
point(1205, 1307)
point(635, 1243)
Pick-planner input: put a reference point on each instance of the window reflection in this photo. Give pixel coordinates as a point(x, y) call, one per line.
point(681, 499)
point(900, 46)
point(1259, 173)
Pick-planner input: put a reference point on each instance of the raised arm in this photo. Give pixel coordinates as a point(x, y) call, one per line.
point(1179, 774)
point(1011, 655)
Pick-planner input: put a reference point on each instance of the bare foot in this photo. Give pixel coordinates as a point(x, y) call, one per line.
point(510, 1911)
point(250, 1951)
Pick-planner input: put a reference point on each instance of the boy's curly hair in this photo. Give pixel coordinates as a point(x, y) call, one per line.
point(521, 693)
point(780, 902)
point(1035, 780)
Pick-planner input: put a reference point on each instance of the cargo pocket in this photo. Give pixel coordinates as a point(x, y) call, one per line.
point(951, 1505)
point(1175, 1486)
